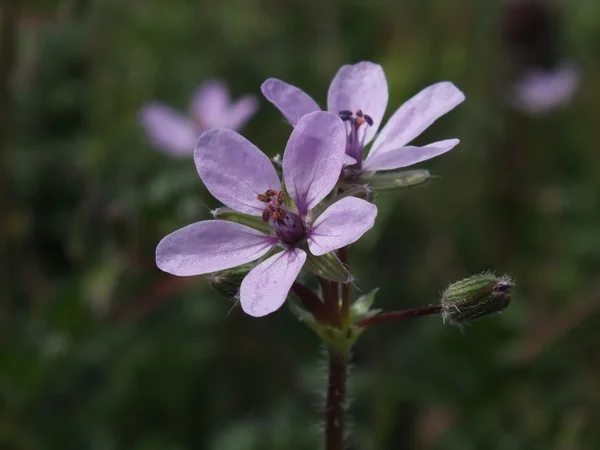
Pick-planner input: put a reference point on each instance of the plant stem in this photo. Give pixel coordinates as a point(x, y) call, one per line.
point(312, 302)
point(330, 301)
point(400, 315)
point(335, 407)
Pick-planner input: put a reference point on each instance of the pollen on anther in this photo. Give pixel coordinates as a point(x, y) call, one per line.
point(345, 114)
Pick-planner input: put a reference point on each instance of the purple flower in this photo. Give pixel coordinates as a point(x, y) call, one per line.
point(359, 94)
point(242, 177)
point(211, 107)
point(539, 91)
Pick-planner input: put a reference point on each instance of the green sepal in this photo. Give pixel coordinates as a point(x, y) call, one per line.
point(232, 215)
point(328, 266)
point(361, 308)
point(394, 179)
point(227, 282)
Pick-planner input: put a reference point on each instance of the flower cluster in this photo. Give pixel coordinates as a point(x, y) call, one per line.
point(309, 214)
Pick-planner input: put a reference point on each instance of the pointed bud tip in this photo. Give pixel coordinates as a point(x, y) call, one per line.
point(476, 297)
point(228, 282)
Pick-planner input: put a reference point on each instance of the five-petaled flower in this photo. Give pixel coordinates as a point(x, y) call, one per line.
point(243, 178)
point(359, 94)
point(211, 107)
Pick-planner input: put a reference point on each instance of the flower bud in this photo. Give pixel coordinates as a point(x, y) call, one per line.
point(227, 282)
point(475, 297)
point(232, 215)
point(395, 179)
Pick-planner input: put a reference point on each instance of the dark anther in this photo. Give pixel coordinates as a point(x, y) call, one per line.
point(368, 120)
point(359, 113)
point(345, 115)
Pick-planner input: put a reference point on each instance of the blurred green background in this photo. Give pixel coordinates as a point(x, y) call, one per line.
point(101, 351)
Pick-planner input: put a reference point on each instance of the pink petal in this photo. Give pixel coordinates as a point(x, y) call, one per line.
point(417, 114)
point(210, 103)
point(266, 287)
point(539, 91)
point(341, 224)
point(313, 158)
point(360, 86)
point(234, 170)
point(209, 246)
point(169, 130)
point(291, 101)
point(240, 112)
point(407, 156)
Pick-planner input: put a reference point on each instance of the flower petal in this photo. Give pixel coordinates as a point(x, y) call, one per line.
point(266, 287)
point(234, 170)
point(341, 224)
point(240, 112)
point(169, 130)
point(210, 103)
point(417, 114)
point(313, 158)
point(291, 101)
point(209, 246)
point(360, 86)
point(539, 91)
point(407, 156)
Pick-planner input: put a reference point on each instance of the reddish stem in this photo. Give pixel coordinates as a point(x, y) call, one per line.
point(312, 302)
point(400, 315)
point(336, 393)
point(330, 301)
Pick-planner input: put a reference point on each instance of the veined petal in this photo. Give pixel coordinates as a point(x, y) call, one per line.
point(313, 158)
point(169, 130)
point(266, 287)
point(234, 170)
point(240, 112)
point(209, 246)
point(360, 86)
point(291, 101)
point(210, 103)
point(407, 156)
point(341, 224)
point(416, 115)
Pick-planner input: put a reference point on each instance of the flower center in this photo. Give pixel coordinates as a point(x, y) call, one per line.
point(288, 226)
point(355, 137)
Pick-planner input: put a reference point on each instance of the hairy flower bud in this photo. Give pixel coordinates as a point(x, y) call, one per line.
point(475, 297)
point(227, 282)
point(395, 179)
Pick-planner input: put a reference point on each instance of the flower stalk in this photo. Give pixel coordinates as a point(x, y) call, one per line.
point(336, 398)
point(400, 315)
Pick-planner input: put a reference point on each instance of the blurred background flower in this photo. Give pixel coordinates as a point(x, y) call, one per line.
point(102, 351)
point(211, 108)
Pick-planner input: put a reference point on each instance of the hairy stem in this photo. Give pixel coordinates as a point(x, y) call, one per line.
point(335, 406)
point(400, 315)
